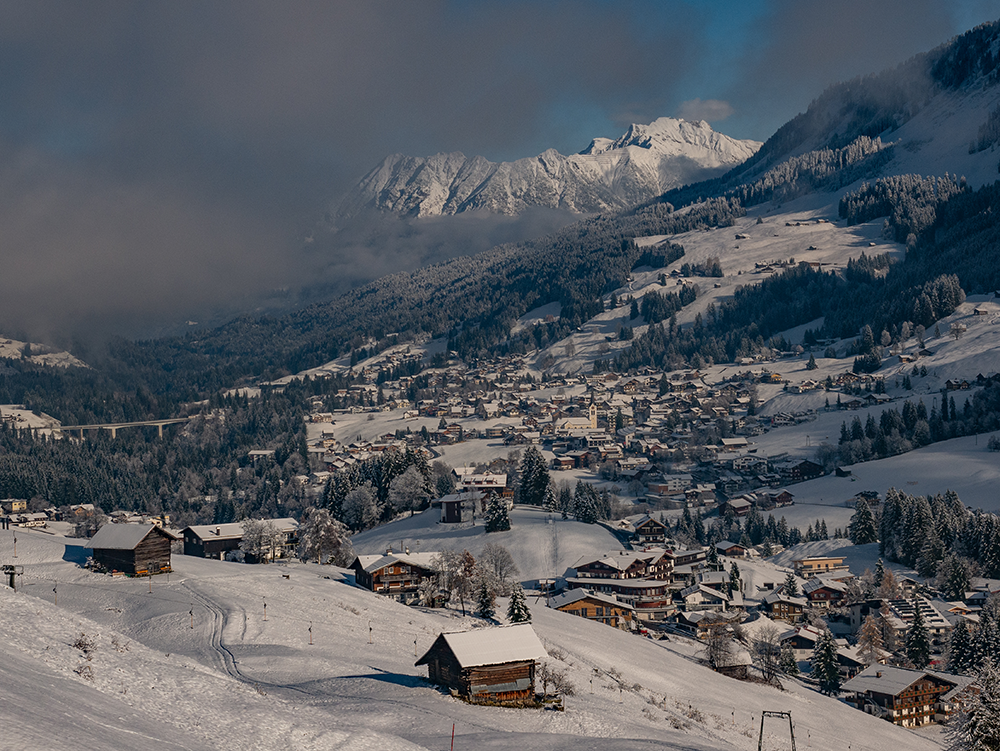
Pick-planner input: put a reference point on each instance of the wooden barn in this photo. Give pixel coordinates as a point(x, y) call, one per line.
point(490, 665)
point(133, 549)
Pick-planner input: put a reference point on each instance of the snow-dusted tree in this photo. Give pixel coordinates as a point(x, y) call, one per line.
point(985, 641)
point(550, 501)
point(260, 539)
point(825, 667)
point(863, 528)
point(870, 641)
point(789, 665)
point(918, 642)
point(456, 573)
point(409, 491)
point(585, 503)
point(790, 587)
point(961, 655)
point(324, 539)
point(360, 508)
point(534, 477)
point(517, 608)
point(485, 600)
point(735, 584)
point(718, 645)
point(954, 576)
point(497, 515)
point(879, 573)
point(977, 727)
point(497, 566)
point(766, 651)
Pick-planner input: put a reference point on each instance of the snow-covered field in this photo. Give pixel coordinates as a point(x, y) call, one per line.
point(542, 544)
point(237, 681)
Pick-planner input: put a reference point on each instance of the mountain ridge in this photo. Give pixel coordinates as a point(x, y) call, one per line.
point(608, 175)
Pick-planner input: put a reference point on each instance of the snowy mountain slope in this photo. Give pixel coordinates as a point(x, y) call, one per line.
point(609, 174)
point(236, 680)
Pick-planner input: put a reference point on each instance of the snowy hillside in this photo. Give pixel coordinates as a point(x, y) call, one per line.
point(542, 544)
point(237, 681)
point(609, 174)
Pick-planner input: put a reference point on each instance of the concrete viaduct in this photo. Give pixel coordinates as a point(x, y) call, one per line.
point(114, 427)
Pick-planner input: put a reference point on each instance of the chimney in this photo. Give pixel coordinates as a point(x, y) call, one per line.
point(218, 531)
point(878, 674)
point(407, 550)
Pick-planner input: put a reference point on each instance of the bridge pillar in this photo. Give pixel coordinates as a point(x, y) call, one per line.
point(159, 429)
point(114, 433)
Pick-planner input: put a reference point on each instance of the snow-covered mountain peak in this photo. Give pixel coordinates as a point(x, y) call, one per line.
point(609, 174)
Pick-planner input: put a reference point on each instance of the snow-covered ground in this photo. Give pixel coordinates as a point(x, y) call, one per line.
point(237, 681)
point(542, 544)
point(39, 354)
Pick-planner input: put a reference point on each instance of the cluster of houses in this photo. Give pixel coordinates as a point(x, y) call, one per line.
point(656, 586)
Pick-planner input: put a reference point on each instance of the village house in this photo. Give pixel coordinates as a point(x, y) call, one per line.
point(457, 508)
point(215, 540)
point(594, 606)
point(396, 575)
point(780, 606)
point(132, 549)
point(909, 698)
point(809, 567)
point(487, 665)
point(649, 531)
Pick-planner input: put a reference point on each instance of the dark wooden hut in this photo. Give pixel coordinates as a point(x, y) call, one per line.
point(487, 664)
point(133, 549)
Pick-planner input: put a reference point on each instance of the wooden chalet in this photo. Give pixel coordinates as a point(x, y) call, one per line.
point(909, 698)
point(215, 540)
point(649, 531)
point(132, 549)
point(594, 606)
point(780, 606)
point(397, 575)
point(487, 665)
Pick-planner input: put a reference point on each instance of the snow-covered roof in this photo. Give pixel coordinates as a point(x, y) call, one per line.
point(372, 563)
point(575, 595)
point(121, 536)
point(885, 679)
point(234, 530)
point(493, 646)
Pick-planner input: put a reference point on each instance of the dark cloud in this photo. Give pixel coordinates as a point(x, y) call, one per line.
point(803, 47)
point(711, 110)
point(164, 160)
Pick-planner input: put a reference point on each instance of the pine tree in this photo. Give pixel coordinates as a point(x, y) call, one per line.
point(517, 608)
point(879, 573)
point(918, 642)
point(960, 650)
point(984, 641)
point(485, 601)
point(863, 529)
point(585, 503)
point(734, 585)
point(954, 576)
point(825, 667)
point(977, 728)
point(787, 661)
point(791, 585)
point(550, 502)
point(497, 516)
